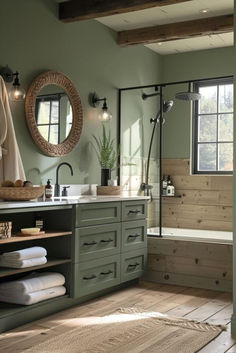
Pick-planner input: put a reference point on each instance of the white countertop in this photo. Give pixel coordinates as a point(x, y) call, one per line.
point(70, 200)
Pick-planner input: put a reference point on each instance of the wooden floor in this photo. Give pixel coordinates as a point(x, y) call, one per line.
point(203, 305)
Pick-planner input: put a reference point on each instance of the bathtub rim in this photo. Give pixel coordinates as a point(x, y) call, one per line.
point(210, 240)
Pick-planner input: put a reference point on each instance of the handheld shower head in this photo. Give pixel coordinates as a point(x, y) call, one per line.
point(188, 96)
point(166, 108)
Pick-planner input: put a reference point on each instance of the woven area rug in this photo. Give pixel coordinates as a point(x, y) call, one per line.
point(130, 330)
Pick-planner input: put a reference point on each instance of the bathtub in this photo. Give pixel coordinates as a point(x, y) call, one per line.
point(207, 236)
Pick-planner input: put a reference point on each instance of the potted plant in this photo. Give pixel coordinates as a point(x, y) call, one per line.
point(106, 153)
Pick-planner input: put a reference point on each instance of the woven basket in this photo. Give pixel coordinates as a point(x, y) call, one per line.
point(108, 190)
point(21, 193)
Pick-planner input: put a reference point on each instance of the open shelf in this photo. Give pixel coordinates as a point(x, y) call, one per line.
point(7, 271)
point(14, 239)
point(7, 309)
point(171, 197)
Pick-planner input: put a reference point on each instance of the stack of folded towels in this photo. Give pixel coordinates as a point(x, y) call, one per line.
point(33, 288)
point(28, 257)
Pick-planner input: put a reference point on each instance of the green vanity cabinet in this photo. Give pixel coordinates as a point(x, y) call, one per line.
point(134, 235)
point(96, 242)
point(97, 213)
point(99, 245)
point(110, 245)
point(134, 210)
point(93, 276)
point(133, 264)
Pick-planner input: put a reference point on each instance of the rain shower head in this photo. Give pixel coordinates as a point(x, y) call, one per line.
point(188, 96)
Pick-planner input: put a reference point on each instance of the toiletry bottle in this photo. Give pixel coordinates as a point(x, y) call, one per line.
point(39, 221)
point(164, 185)
point(170, 190)
point(48, 190)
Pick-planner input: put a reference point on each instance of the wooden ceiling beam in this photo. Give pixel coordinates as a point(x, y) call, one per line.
point(175, 31)
point(78, 10)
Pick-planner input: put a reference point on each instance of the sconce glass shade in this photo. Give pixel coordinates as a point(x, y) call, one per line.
point(17, 93)
point(105, 115)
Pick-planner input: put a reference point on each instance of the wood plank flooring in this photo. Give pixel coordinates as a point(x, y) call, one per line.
point(200, 304)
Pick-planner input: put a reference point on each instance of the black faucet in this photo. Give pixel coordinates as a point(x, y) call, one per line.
point(57, 186)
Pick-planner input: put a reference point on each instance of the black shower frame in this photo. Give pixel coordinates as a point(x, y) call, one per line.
point(160, 87)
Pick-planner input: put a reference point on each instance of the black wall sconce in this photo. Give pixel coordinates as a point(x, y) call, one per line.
point(104, 115)
point(16, 93)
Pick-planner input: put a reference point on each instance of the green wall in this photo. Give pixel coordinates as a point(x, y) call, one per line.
point(188, 66)
point(35, 40)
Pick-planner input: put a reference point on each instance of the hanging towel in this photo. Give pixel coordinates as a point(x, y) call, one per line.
point(24, 254)
point(11, 166)
point(32, 283)
point(23, 263)
point(34, 297)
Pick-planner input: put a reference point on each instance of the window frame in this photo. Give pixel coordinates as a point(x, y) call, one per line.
point(195, 119)
point(55, 97)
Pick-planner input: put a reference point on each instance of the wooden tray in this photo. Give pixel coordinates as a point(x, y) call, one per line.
point(29, 234)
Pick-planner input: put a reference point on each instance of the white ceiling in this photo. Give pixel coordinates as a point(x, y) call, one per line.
point(185, 11)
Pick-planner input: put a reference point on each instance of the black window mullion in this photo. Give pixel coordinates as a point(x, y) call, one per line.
point(217, 129)
point(50, 119)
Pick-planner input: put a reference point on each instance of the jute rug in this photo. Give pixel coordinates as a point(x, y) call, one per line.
point(130, 330)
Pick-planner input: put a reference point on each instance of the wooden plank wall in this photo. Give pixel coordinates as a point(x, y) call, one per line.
point(188, 263)
point(206, 200)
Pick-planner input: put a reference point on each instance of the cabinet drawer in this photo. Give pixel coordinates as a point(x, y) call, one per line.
point(97, 213)
point(133, 264)
point(93, 276)
point(97, 241)
point(134, 235)
point(132, 210)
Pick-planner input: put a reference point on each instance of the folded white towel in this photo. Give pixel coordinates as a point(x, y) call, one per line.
point(32, 283)
point(35, 297)
point(24, 254)
point(22, 263)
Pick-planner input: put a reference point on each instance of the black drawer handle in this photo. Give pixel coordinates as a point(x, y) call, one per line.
point(106, 273)
point(91, 243)
point(134, 212)
point(134, 236)
point(133, 265)
point(106, 241)
point(88, 278)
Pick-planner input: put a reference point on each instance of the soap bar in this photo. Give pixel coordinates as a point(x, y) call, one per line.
point(30, 230)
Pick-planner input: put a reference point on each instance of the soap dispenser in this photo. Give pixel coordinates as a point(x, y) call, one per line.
point(170, 190)
point(48, 190)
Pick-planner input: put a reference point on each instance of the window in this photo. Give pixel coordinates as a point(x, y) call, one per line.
point(47, 114)
point(213, 127)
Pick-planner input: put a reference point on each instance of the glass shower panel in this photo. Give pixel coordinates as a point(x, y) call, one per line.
point(136, 131)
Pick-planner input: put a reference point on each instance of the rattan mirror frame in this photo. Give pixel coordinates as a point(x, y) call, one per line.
point(57, 78)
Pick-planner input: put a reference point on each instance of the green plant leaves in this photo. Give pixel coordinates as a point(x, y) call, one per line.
point(105, 149)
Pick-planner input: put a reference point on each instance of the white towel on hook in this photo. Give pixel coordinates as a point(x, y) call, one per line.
point(11, 166)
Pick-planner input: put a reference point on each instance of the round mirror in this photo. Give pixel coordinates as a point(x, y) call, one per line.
point(54, 113)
